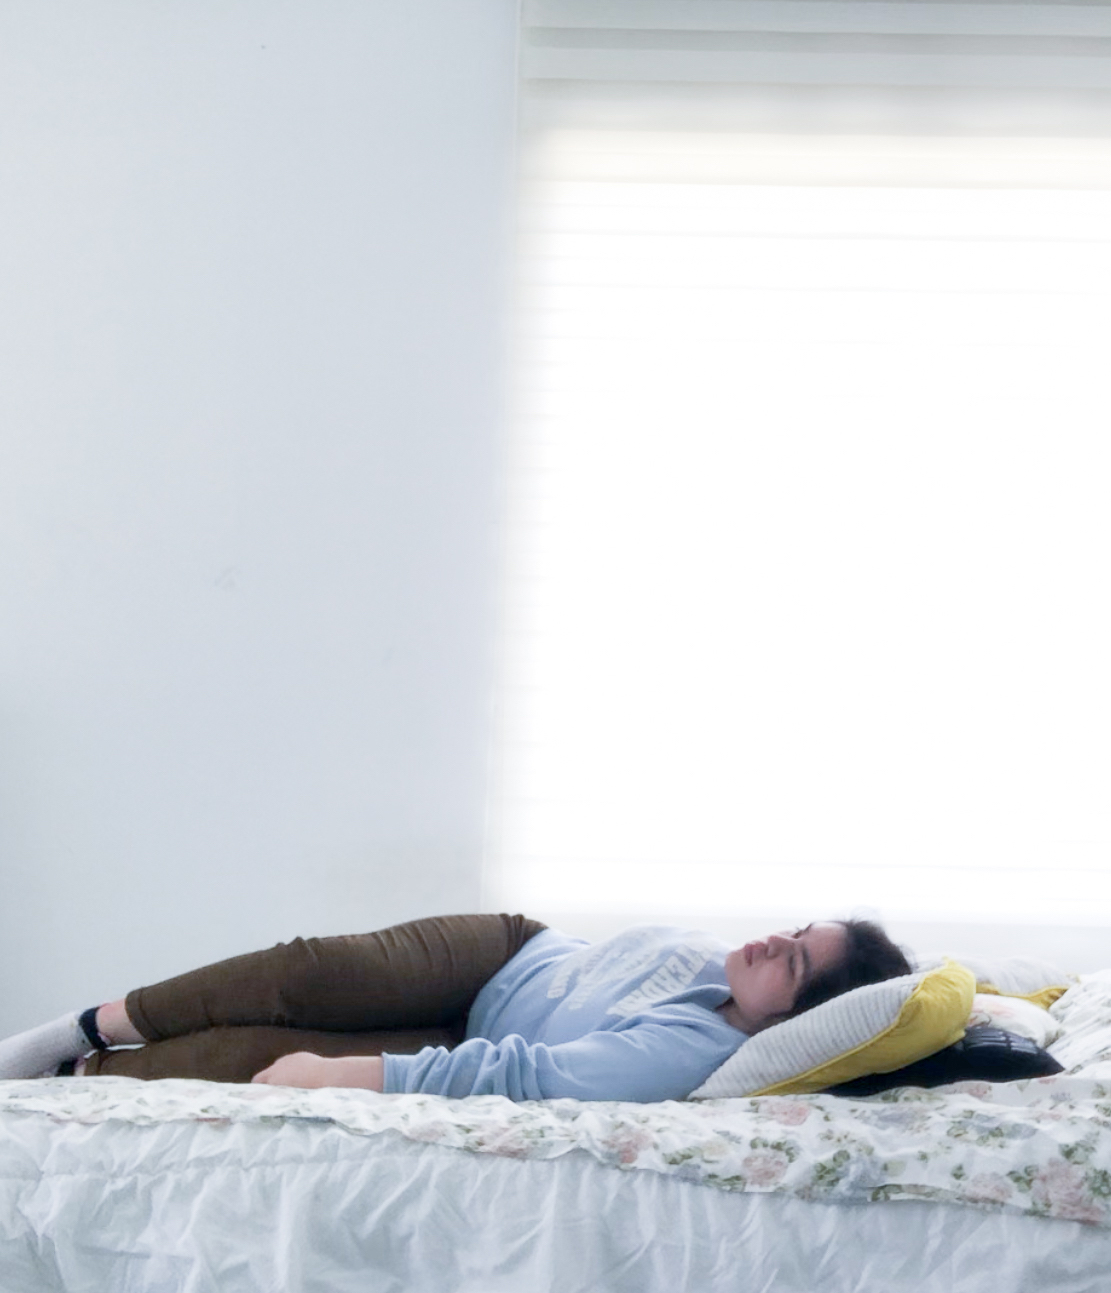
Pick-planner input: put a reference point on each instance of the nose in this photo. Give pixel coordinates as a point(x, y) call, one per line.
point(777, 943)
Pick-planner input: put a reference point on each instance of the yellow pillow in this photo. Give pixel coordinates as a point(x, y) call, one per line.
point(1043, 998)
point(1028, 977)
point(875, 1029)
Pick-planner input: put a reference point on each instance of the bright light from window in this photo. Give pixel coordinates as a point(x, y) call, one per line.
point(810, 550)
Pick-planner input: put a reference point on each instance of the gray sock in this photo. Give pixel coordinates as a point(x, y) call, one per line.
point(40, 1050)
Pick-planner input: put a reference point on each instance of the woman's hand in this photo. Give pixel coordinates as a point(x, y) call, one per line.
point(303, 1069)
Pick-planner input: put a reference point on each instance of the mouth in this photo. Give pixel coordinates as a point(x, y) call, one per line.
point(751, 950)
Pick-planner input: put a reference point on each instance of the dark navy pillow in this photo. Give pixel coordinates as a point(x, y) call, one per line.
point(984, 1054)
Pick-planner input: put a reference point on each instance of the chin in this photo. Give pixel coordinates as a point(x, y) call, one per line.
point(735, 967)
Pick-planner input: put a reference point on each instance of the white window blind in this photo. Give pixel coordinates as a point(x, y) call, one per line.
point(914, 66)
point(809, 552)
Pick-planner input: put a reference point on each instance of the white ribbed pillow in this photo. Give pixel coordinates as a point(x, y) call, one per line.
point(876, 1029)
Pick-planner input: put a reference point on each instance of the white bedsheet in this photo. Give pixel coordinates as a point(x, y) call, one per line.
point(298, 1206)
point(1040, 1147)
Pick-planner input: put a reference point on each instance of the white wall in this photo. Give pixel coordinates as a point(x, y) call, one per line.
point(252, 268)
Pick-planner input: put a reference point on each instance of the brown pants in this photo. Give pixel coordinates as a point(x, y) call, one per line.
point(397, 990)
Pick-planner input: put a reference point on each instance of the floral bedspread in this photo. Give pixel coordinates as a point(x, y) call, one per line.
point(1041, 1147)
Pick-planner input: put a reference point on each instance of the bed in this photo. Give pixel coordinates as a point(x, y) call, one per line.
point(114, 1184)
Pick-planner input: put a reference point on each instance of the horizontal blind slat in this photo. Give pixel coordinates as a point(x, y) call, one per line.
point(1003, 71)
point(824, 43)
point(1035, 19)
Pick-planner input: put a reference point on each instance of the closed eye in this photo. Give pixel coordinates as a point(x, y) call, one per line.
point(800, 964)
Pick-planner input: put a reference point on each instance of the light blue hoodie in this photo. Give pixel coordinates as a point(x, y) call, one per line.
point(631, 1018)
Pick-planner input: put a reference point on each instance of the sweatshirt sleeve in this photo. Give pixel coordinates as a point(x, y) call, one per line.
point(645, 1061)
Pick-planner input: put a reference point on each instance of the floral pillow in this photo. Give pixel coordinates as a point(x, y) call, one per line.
point(1022, 1018)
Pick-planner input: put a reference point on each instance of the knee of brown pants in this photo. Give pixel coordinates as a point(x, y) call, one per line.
point(423, 974)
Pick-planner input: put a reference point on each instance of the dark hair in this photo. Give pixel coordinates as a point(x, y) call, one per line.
point(870, 957)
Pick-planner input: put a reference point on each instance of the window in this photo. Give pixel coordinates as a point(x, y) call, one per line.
point(808, 541)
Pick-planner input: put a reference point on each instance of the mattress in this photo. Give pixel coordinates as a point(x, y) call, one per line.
point(302, 1206)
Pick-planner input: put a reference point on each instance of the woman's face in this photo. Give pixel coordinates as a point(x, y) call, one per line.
point(767, 975)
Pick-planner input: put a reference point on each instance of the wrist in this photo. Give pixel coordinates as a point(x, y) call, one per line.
point(362, 1071)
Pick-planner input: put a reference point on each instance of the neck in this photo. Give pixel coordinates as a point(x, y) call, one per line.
point(729, 1012)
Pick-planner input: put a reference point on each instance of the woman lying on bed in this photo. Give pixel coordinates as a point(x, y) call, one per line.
point(467, 1005)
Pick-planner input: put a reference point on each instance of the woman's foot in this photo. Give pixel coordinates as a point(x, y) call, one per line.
point(40, 1050)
